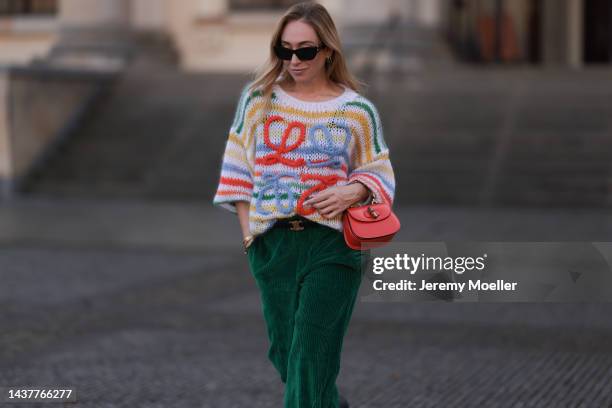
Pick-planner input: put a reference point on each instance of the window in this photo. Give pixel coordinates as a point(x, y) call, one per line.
point(27, 7)
point(261, 4)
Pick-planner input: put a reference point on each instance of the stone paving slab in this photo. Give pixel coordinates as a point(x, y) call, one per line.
point(199, 226)
point(138, 304)
point(185, 330)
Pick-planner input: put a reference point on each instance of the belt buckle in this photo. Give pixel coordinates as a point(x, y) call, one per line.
point(296, 225)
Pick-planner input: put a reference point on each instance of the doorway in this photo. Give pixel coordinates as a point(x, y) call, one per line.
point(534, 31)
point(597, 31)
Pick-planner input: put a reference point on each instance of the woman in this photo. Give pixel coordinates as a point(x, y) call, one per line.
point(303, 147)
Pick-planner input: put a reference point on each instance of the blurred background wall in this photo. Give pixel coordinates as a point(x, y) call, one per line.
point(573, 32)
point(72, 70)
point(210, 34)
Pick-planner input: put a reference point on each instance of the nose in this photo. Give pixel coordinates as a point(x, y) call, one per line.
point(295, 60)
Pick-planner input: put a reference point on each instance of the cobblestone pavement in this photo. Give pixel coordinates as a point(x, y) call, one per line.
point(152, 305)
point(154, 318)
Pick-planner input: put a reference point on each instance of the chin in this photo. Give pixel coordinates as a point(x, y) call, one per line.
point(301, 79)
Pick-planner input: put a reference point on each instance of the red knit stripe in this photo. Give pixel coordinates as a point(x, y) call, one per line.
point(236, 182)
point(230, 192)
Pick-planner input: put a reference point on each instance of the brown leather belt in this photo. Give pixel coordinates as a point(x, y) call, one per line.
point(296, 223)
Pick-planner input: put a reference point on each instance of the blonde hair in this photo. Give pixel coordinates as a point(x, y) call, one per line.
point(319, 19)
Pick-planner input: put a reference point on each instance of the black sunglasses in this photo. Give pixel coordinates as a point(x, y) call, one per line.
point(304, 53)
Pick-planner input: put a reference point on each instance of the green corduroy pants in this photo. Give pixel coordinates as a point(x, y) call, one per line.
point(308, 282)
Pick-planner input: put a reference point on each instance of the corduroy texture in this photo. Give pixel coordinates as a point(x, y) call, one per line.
point(308, 281)
point(275, 162)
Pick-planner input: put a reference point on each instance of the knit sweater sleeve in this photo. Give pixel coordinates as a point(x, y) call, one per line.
point(371, 163)
point(236, 179)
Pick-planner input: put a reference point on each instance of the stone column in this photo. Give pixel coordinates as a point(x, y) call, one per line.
point(212, 8)
point(575, 15)
point(554, 32)
point(93, 33)
point(6, 167)
point(94, 19)
point(94, 12)
point(563, 32)
point(149, 15)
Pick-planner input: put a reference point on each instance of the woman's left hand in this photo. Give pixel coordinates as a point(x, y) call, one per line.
point(334, 200)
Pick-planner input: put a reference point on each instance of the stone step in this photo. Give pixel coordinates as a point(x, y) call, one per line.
point(160, 132)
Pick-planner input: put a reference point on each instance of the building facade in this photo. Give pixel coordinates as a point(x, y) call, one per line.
point(210, 35)
point(571, 33)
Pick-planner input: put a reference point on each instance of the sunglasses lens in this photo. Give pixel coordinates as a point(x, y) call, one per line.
point(283, 53)
point(306, 53)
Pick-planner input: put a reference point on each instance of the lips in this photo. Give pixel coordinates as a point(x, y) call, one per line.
point(298, 71)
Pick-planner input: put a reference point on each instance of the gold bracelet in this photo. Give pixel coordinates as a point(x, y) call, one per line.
point(247, 241)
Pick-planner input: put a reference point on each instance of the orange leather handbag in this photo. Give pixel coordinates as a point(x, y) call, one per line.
point(372, 225)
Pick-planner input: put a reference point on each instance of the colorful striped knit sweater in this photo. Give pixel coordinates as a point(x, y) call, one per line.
point(299, 149)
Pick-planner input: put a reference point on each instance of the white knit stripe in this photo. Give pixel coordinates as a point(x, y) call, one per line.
point(228, 202)
point(241, 190)
point(236, 174)
point(237, 147)
point(232, 161)
point(241, 107)
point(245, 196)
point(223, 187)
point(318, 106)
point(385, 188)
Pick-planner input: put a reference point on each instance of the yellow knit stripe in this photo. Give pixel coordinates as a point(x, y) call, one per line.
point(363, 121)
point(250, 136)
point(388, 170)
point(237, 155)
point(357, 140)
point(233, 137)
